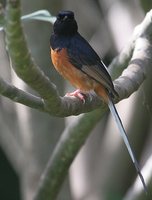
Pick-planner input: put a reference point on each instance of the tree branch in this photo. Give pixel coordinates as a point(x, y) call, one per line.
point(20, 96)
point(122, 60)
point(21, 59)
point(70, 142)
point(137, 70)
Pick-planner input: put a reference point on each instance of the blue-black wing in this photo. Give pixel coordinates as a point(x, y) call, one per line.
point(82, 56)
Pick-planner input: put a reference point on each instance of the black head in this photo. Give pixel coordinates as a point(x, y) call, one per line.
point(65, 24)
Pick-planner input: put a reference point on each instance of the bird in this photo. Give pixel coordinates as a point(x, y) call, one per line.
point(75, 59)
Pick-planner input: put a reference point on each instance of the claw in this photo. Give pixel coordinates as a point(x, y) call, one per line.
point(77, 94)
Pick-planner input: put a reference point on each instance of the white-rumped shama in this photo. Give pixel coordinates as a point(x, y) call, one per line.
point(76, 61)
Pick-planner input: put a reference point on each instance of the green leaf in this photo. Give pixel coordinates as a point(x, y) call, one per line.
point(42, 15)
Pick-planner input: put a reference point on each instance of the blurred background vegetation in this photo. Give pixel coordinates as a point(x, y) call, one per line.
point(102, 170)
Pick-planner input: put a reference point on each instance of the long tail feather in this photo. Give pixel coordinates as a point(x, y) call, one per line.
point(125, 138)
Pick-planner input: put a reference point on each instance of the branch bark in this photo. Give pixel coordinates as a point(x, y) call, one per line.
point(20, 96)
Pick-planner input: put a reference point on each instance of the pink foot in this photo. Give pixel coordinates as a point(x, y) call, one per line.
point(77, 94)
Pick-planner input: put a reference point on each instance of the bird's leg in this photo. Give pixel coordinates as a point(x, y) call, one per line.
point(78, 93)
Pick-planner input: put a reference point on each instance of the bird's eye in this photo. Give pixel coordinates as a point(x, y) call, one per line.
point(65, 17)
point(62, 17)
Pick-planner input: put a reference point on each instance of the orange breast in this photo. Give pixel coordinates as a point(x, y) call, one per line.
point(76, 77)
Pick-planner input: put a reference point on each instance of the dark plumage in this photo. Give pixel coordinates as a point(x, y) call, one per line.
point(80, 53)
point(76, 61)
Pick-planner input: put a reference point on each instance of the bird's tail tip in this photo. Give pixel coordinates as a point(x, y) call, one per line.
point(126, 141)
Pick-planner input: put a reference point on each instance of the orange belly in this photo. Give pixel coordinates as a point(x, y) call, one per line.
point(75, 76)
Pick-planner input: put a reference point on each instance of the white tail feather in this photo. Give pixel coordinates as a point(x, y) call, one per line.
point(125, 138)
